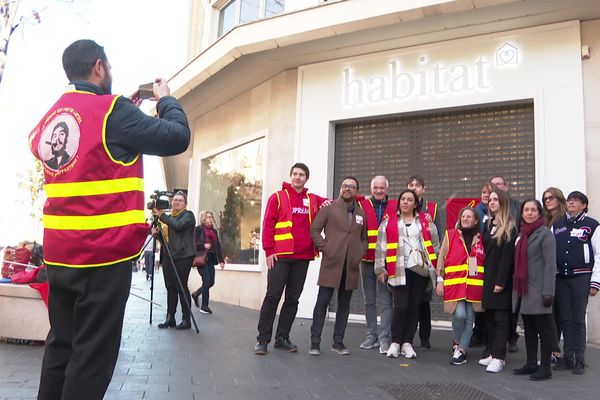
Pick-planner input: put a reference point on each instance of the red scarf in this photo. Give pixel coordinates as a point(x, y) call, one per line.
point(520, 280)
point(210, 235)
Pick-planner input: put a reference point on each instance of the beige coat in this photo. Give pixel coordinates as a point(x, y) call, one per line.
point(345, 239)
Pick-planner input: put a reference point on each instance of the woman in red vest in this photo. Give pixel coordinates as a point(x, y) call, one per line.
point(499, 241)
point(400, 235)
point(460, 279)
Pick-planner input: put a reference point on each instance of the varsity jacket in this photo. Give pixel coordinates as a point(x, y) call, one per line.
point(577, 247)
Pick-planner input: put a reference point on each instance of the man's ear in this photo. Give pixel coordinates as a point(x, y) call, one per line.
point(98, 70)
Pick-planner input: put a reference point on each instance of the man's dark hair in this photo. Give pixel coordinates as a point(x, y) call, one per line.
point(80, 57)
point(62, 124)
point(498, 176)
point(303, 167)
point(350, 177)
point(417, 178)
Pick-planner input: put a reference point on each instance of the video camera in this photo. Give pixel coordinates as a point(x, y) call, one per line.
point(160, 200)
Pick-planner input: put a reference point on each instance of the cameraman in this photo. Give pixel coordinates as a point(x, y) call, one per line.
point(178, 232)
point(94, 225)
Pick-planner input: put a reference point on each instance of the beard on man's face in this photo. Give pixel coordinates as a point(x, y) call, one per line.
point(106, 84)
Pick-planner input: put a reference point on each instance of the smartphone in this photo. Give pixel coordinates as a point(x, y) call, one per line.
point(146, 91)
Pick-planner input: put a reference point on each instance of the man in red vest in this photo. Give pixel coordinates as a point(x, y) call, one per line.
point(375, 208)
point(289, 249)
point(429, 210)
point(94, 218)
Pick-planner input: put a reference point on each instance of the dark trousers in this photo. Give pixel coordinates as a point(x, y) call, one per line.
point(479, 328)
point(288, 274)
point(174, 290)
point(208, 280)
point(86, 308)
point(407, 303)
point(558, 329)
point(572, 297)
point(539, 325)
point(320, 312)
point(424, 321)
point(497, 326)
point(514, 321)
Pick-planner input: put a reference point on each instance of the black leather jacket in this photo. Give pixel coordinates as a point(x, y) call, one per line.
point(181, 234)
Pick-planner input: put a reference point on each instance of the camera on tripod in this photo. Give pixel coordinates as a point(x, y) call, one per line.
point(159, 200)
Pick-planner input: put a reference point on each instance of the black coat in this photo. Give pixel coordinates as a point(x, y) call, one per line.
point(499, 268)
point(181, 234)
point(216, 249)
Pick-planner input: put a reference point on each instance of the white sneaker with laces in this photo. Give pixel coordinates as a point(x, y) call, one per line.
point(496, 365)
point(485, 361)
point(408, 351)
point(393, 350)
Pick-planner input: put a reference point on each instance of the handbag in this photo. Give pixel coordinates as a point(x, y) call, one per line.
point(419, 262)
point(200, 260)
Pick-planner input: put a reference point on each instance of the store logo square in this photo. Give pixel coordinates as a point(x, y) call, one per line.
point(507, 54)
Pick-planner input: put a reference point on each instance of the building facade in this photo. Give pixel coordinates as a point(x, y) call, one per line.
point(457, 91)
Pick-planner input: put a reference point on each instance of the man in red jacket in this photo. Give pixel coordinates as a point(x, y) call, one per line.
point(289, 248)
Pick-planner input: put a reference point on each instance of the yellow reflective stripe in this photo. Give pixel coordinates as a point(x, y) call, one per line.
point(455, 281)
point(80, 223)
point(284, 236)
point(94, 265)
point(392, 245)
point(427, 243)
point(92, 188)
point(456, 268)
point(284, 224)
point(391, 259)
point(372, 232)
point(432, 256)
point(475, 282)
point(372, 245)
point(480, 269)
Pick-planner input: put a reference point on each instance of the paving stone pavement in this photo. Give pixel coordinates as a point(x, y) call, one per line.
point(219, 363)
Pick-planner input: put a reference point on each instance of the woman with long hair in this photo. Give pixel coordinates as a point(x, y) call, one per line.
point(533, 289)
point(555, 205)
point(207, 240)
point(499, 242)
point(555, 208)
point(401, 260)
point(460, 279)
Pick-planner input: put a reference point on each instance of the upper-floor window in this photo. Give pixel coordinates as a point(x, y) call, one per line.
point(236, 12)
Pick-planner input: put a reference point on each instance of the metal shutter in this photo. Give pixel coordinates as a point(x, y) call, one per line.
point(455, 151)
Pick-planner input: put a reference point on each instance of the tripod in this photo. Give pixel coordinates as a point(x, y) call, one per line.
point(180, 286)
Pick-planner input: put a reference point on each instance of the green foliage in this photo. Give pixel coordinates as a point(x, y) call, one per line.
point(33, 181)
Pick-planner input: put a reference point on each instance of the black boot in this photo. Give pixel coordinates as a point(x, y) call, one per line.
point(185, 324)
point(169, 322)
point(195, 296)
point(543, 372)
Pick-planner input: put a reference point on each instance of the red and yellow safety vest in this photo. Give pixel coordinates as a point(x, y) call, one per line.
point(392, 235)
point(458, 284)
point(373, 224)
point(431, 208)
point(94, 212)
point(284, 240)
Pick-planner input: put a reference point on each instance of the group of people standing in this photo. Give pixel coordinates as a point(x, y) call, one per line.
point(503, 258)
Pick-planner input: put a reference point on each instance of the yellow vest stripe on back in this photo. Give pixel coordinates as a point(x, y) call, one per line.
point(77, 222)
point(73, 189)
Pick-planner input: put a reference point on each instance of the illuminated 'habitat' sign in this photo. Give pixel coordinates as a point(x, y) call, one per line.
point(429, 79)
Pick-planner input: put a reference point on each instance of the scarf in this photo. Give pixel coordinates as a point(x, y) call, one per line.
point(468, 235)
point(210, 235)
point(165, 227)
point(520, 280)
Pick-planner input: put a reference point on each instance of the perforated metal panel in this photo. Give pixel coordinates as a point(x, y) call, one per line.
point(455, 151)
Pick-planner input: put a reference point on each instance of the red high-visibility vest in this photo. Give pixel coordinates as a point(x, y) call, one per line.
point(284, 240)
point(94, 212)
point(458, 284)
point(373, 225)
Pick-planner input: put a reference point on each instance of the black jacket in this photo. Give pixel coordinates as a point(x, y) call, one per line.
point(130, 132)
point(216, 249)
point(181, 234)
point(499, 268)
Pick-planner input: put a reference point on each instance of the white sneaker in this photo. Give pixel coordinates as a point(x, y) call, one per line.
point(486, 361)
point(408, 351)
point(496, 365)
point(393, 350)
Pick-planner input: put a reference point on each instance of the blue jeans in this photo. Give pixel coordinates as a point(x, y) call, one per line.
point(208, 280)
point(462, 323)
point(374, 292)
